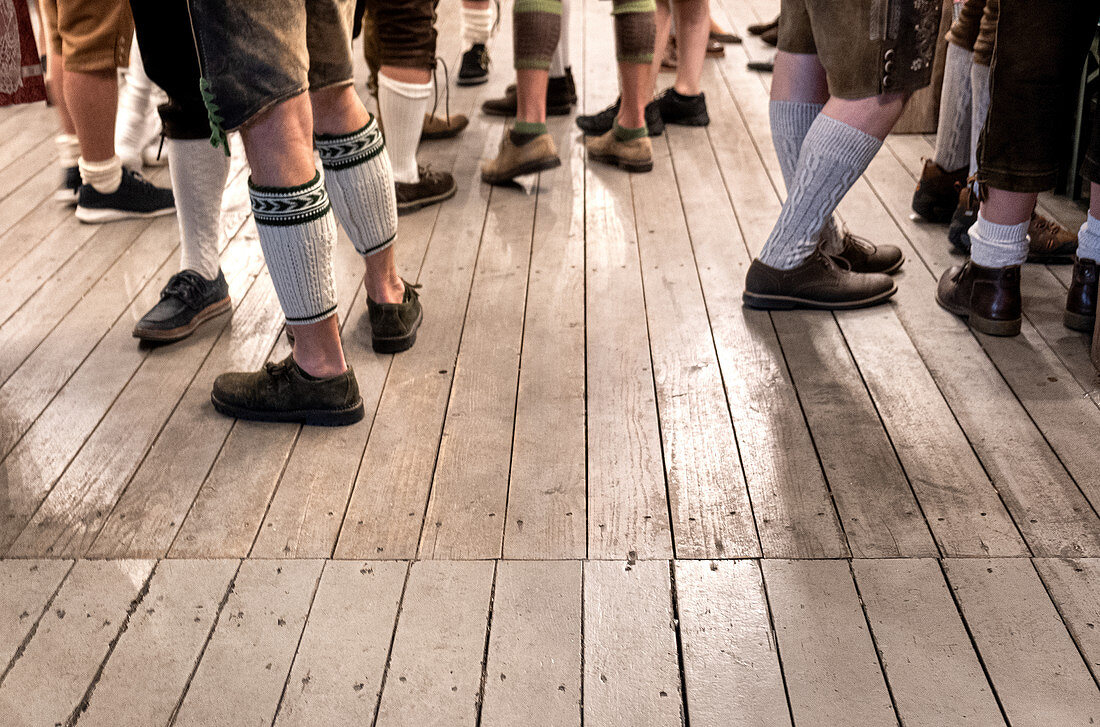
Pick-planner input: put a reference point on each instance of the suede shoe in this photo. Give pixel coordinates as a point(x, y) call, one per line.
point(69, 191)
point(966, 214)
point(761, 28)
point(393, 326)
point(937, 192)
point(676, 108)
point(513, 161)
point(1049, 242)
point(474, 69)
point(561, 97)
point(603, 121)
point(433, 188)
point(863, 256)
point(817, 283)
point(186, 301)
point(988, 297)
point(723, 36)
point(442, 127)
point(1080, 312)
point(134, 198)
point(635, 155)
point(282, 392)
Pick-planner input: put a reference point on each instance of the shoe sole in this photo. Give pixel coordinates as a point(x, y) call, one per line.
point(397, 344)
point(784, 302)
point(563, 110)
point(539, 165)
point(178, 334)
point(408, 207)
point(1079, 321)
point(633, 167)
point(99, 216)
point(311, 417)
point(66, 197)
point(653, 130)
point(472, 81)
point(985, 325)
point(893, 268)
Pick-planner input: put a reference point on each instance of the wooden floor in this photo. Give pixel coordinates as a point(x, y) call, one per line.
point(598, 491)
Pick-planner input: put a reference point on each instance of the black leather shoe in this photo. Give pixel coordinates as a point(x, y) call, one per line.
point(393, 326)
point(474, 69)
point(1080, 312)
point(676, 108)
point(186, 301)
point(602, 122)
point(283, 392)
point(988, 297)
point(561, 97)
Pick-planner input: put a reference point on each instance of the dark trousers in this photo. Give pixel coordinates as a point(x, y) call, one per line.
point(171, 61)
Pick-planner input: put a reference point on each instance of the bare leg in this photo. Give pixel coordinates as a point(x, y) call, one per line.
point(91, 99)
point(1012, 208)
point(799, 78)
point(692, 35)
point(56, 88)
point(407, 75)
point(279, 147)
point(662, 18)
point(531, 95)
point(636, 81)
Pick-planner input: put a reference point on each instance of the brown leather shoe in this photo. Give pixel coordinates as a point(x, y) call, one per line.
point(433, 187)
point(514, 161)
point(1080, 312)
point(635, 155)
point(715, 49)
point(771, 36)
point(561, 97)
point(1049, 242)
point(988, 297)
point(937, 193)
point(817, 283)
point(443, 127)
point(863, 256)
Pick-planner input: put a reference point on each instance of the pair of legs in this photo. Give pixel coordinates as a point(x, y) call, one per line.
point(279, 147)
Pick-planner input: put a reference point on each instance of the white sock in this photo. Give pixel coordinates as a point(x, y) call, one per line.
point(953, 131)
point(476, 25)
point(402, 107)
point(1088, 240)
point(134, 107)
point(790, 122)
point(104, 176)
point(979, 84)
point(998, 246)
point(68, 150)
point(297, 234)
point(199, 172)
point(832, 158)
point(359, 181)
point(560, 60)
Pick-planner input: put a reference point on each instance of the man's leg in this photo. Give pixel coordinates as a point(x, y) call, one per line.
point(685, 103)
point(477, 24)
point(561, 90)
point(68, 145)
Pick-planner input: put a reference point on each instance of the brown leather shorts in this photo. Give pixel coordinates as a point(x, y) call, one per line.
point(868, 47)
point(399, 33)
point(90, 35)
point(976, 28)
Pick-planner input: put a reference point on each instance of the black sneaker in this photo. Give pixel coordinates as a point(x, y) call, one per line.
point(69, 190)
point(282, 392)
point(186, 301)
point(475, 66)
point(602, 122)
point(676, 108)
point(134, 198)
point(433, 187)
point(393, 326)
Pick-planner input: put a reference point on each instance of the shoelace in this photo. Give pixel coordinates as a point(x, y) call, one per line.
point(446, 88)
point(186, 286)
point(279, 373)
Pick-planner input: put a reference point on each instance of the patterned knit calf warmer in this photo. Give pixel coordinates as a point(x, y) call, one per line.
point(536, 28)
point(297, 234)
point(635, 31)
point(360, 184)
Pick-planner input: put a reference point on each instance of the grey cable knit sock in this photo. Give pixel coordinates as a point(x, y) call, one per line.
point(297, 234)
point(953, 131)
point(998, 246)
point(360, 184)
point(833, 157)
point(979, 84)
point(790, 122)
point(199, 172)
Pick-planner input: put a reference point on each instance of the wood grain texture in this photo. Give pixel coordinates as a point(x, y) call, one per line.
point(26, 589)
point(1074, 587)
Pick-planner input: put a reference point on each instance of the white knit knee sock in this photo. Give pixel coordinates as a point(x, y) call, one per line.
point(402, 107)
point(104, 176)
point(1088, 240)
point(998, 246)
point(134, 107)
point(833, 157)
point(476, 25)
point(560, 60)
point(790, 122)
point(979, 84)
point(953, 130)
point(199, 172)
point(297, 233)
point(360, 184)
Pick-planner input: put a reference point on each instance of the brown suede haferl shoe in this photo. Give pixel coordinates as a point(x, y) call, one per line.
point(443, 127)
point(1080, 312)
point(988, 297)
point(513, 161)
point(937, 193)
point(635, 155)
point(282, 392)
point(863, 256)
point(433, 188)
point(817, 283)
point(1049, 242)
point(393, 326)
